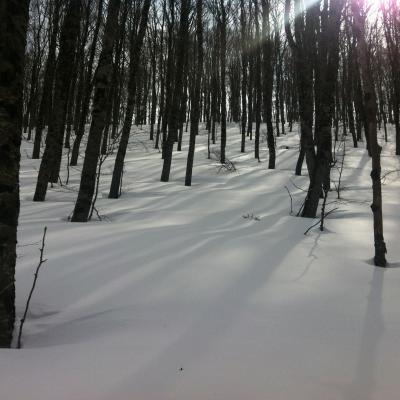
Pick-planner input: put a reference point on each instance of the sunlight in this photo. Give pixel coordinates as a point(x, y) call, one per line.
point(377, 7)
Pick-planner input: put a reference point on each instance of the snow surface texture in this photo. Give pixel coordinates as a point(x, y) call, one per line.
point(175, 295)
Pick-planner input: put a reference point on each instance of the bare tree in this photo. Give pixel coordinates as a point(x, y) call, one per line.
point(102, 87)
point(13, 28)
point(55, 135)
point(364, 57)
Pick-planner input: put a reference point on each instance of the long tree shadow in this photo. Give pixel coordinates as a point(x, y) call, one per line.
point(363, 384)
point(215, 317)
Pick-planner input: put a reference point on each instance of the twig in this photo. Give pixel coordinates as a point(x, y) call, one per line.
point(251, 217)
point(301, 208)
point(41, 262)
point(102, 159)
point(28, 244)
point(312, 226)
point(341, 169)
point(321, 228)
point(68, 160)
point(383, 178)
point(298, 187)
point(291, 200)
point(97, 212)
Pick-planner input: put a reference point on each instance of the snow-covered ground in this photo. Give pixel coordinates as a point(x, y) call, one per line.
point(175, 295)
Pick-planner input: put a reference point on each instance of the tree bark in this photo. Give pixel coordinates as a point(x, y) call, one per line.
point(46, 101)
point(195, 110)
point(102, 80)
point(87, 91)
point(13, 27)
point(135, 53)
point(371, 111)
point(55, 134)
point(173, 117)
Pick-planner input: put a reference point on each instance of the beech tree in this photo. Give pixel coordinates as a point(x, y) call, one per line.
point(173, 115)
point(136, 44)
point(101, 87)
point(370, 104)
point(49, 167)
point(13, 28)
point(195, 111)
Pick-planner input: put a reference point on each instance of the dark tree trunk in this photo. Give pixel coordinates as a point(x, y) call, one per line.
point(75, 99)
point(364, 57)
point(153, 110)
point(55, 134)
point(257, 73)
point(13, 26)
point(102, 81)
point(244, 74)
point(87, 91)
point(223, 77)
point(195, 110)
point(303, 50)
point(46, 101)
point(135, 52)
point(173, 117)
point(268, 82)
point(326, 75)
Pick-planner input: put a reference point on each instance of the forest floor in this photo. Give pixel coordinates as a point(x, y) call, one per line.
point(211, 292)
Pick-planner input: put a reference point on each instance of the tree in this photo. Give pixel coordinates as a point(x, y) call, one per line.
point(243, 39)
point(13, 28)
point(102, 80)
point(195, 111)
point(173, 117)
point(391, 23)
point(267, 80)
point(371, 112)
point(222, 23)
point(55, 135)
point(302, 45)
point(326, 73)
point(135, 52)
point(87, 88)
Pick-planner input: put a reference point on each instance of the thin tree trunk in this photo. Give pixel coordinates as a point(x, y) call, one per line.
point(46, 101)
point(223, 75)
point(244, 74)
point(371, 111)
point(195, 110)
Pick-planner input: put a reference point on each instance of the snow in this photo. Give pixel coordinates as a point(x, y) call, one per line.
point(175, 295)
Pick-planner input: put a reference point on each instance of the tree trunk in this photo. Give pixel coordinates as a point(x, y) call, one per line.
point(46, 101)
point(222, 81)
point(268, 79)
point(102, 80)
point(195, 110)
point(173, 117)
point(55, 134)
point(135, 54)
point(371, 111)
point(13, 26)
point(88, 90)
point(244, 74)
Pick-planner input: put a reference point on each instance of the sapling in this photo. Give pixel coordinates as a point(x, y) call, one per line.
point(41, 262)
